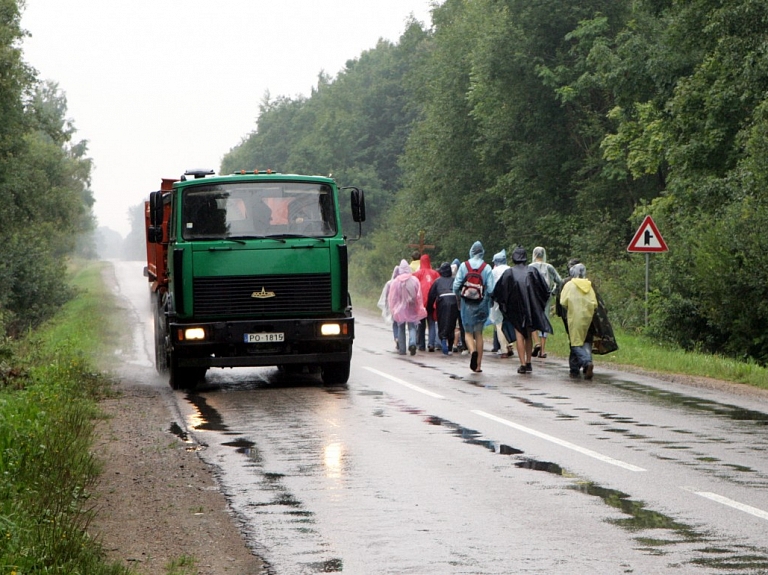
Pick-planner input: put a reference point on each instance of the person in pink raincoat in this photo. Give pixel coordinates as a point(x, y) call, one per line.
point(406, 304)
point(383, 305)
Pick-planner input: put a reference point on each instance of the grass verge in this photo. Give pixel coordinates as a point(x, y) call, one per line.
point(49, 389)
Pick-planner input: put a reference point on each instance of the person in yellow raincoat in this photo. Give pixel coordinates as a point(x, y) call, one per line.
point(579, 300)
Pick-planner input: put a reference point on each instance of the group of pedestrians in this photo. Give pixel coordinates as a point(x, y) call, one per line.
point(427, 307)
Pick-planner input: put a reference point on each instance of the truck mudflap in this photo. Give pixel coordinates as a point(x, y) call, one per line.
point(314, 341)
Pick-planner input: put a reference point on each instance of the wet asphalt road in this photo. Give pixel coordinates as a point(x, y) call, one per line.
point(420, 466)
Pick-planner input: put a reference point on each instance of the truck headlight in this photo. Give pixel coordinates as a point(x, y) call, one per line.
point(330, 329)
point(194, 333)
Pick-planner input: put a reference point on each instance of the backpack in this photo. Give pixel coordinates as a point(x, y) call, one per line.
point(473, 288)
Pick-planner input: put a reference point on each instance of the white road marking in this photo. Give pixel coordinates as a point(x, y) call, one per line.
point(560, 442)
point(404, 383)
point(539, 434)
point(730, 503)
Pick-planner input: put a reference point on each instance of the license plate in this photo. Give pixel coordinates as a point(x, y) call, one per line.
point(271, 337)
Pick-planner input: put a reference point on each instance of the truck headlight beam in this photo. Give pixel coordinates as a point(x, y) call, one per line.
point(194, 334)
point(330, 329)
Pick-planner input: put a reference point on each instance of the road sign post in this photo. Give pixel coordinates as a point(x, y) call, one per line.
point(647, 240)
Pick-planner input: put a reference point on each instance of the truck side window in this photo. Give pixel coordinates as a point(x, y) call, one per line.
point(203, 217)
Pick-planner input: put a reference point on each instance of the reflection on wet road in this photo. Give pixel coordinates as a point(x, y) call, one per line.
point(385, 472)
point(420, 466)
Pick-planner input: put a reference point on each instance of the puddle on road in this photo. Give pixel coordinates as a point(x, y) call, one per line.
point(640, 519)
point(547, 466)
point(245, 447)
point(695, 403)
point(206, 418)
point(330, 566)
point(176, 429)
point(472, 436)
point(613, 423)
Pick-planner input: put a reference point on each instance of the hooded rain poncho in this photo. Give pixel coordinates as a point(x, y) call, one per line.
point(426, 275)
point(383, 304)
point(579, 300)
point(405, 299)
point(522, 295)
point(474, 315)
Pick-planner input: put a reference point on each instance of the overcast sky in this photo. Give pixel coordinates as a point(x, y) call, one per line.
point(160, 86)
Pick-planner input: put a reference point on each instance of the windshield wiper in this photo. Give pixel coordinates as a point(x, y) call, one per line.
point(240, 238)
point(217, 239)
point(301, 236)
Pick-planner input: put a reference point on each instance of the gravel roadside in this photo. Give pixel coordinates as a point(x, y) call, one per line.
point(157, 503)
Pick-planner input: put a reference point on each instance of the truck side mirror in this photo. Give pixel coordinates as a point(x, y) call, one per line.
point(156, 209)
point(358, 205)
point(155, 230)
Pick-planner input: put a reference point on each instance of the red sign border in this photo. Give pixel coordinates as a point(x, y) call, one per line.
point(633, 247)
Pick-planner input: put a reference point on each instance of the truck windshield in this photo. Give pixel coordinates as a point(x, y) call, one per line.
point(258, 209)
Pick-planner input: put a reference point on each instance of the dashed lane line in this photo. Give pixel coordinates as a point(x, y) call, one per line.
point(404, 383)
point(539, 434)
point(560, 442)
point(584, 451)
point(730, 503)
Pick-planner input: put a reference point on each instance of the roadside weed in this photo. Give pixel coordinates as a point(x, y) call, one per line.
point(184, 565)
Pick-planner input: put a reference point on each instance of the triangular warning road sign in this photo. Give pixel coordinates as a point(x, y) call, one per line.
point(647, 238)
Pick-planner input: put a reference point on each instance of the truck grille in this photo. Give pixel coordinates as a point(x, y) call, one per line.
point(252, 295)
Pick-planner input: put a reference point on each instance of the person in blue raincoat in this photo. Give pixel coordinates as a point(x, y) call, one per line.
point(474, 314)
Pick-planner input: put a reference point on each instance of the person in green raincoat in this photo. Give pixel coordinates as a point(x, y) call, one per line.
point(579, 300)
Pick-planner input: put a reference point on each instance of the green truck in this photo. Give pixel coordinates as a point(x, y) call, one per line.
point(250, 269)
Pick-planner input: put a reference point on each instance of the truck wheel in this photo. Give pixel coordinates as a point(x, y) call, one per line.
point(335, 373)
point(184, 378)
point(161, 353)
point(161, 344)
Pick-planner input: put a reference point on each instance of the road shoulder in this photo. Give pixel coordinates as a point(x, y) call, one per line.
point(157, 501)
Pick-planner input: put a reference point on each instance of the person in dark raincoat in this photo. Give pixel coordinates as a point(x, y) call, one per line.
point(554, 281)
point(522, 293)
point(442, 301)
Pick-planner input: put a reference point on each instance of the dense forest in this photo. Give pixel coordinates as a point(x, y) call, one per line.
point(543, 122)
point(560, 124)
point(45, 200)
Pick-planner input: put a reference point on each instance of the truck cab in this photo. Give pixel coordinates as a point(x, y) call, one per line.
point(250, 269)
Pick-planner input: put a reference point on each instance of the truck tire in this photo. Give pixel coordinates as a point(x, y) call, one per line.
point(161, 342)
point(184, 378)
point(161, 354)
point(335, 373)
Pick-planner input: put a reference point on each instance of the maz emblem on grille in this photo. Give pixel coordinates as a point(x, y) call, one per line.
point(263, 294)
